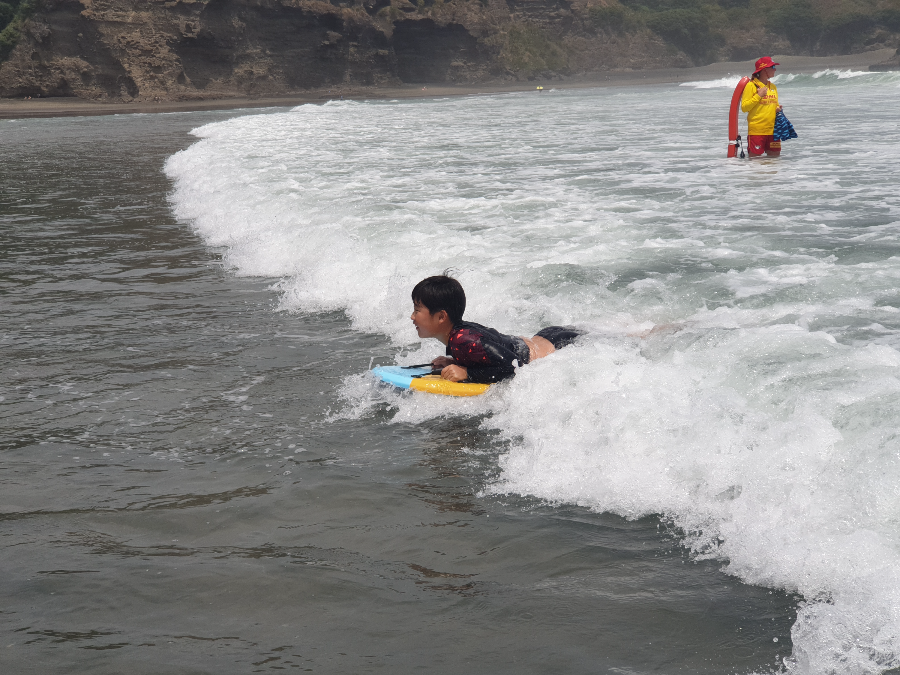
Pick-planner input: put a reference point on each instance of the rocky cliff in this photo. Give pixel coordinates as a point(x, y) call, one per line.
point(195, 49)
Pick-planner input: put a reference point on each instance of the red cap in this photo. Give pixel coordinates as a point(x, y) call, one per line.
point(764, 62)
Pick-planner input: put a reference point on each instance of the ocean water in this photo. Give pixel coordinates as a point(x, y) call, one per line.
point(199, 476)
point(183, 488)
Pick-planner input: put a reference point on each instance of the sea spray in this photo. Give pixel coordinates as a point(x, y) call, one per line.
point(760, 418)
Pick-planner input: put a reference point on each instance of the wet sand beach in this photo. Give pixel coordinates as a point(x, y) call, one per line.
point(75, 107)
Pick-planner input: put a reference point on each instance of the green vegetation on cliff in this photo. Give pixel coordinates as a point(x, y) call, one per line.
point(12, 15)
point(832, 28)
point(705, 29)
point(529, 50)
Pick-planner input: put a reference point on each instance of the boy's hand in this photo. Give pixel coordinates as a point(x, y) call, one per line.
point(455, 373)
point(441, 362)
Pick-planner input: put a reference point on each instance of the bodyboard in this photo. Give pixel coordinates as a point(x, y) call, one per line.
point(421, 379)
point(733, 116)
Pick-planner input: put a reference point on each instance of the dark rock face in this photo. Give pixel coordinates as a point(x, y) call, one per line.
point(82, 58)
point(189, 49)
point(556, 13)
point(428, 52)
point(890, 64)
point(182, 49)
point(301, 48)
point(194, 49)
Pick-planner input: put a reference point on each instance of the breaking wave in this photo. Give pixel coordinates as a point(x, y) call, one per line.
point(760, 417)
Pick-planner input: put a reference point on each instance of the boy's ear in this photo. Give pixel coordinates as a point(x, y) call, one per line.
point(442, 315)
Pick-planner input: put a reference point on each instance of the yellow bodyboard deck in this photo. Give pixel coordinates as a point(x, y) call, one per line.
point(421, 379)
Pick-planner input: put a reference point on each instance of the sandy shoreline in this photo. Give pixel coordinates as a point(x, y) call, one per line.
point(74, 107)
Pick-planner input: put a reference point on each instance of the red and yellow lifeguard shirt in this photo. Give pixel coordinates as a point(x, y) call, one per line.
point(760, 111)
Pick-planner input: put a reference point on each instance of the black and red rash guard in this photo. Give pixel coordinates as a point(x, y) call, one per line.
point(488, 355)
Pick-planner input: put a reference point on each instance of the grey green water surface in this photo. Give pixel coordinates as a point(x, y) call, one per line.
point(175, 497)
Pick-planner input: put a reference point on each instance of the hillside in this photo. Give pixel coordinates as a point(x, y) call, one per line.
point(171, 50)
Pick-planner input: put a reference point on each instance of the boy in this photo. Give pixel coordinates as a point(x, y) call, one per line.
point(475, 353)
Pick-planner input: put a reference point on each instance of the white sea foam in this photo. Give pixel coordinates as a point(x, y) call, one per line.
point(832, 76)
point(729, 82)
point(842, 74)
point(761, 419)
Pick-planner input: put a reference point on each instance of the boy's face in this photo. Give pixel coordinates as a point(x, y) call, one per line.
point(428, 325)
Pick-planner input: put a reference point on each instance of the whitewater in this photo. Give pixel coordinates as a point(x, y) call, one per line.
point(741, 372)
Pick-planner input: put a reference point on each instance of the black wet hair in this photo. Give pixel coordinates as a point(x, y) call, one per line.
point(441, 293)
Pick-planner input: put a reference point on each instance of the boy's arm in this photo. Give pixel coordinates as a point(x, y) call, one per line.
point(455, 373)
point(489, 374)
point(477, 374)
point(442, 362)
point(485, 360)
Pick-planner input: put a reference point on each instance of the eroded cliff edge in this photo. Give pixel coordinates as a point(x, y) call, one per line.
point(168, 50)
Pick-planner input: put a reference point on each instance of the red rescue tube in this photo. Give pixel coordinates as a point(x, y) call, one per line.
point(733, 116)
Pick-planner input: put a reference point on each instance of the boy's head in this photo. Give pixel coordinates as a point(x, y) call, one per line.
point(441, 293)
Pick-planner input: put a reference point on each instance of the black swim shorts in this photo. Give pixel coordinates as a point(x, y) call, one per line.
point(559, 336)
